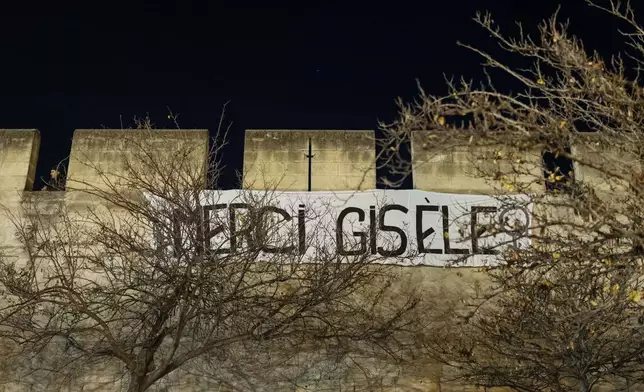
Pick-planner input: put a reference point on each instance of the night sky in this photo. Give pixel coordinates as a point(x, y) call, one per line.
point(68, 65)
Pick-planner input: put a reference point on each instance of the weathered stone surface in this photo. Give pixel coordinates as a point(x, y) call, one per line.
point(594, 149)
point(100, 157)
point(454, 170)
point(18, 158)
point(277, 159)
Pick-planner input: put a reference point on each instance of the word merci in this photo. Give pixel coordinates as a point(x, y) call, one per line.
point(406, 227)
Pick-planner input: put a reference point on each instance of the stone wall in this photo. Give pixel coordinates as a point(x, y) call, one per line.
point(18, 157)
point(102, 156)
point(438, 169)
point(598, 151)
point(97, 157)
point(341, 160)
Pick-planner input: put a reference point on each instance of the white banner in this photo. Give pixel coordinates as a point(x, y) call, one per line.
point(404, 227)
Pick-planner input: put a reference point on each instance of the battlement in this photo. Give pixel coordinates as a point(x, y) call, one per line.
point(279, 159)
point(611, 158)
point(339, 160)
point(454, 170)
point(18, 157)
point(102, 155)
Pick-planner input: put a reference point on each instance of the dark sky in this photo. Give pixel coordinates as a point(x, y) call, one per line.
point(67, 65)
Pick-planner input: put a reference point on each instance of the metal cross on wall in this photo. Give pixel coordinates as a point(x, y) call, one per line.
point(309, 156)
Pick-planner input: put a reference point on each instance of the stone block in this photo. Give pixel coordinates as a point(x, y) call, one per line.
point(342, 160)
point(458, 169)
point(592, 147)
point(18, 158)
point(100, 157)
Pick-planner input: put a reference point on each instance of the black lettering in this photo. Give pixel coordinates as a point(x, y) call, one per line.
point(158, 235)
point(209, 232)
point(232, 214)
point(516, 232)
point(261, 226)
point(448, 248)
point(420, 234)
point(339, 234)
point(301, 229)
point(372, 230)
point(177, 238)
point(475, 231)
point(173, 239)
point(200, 232)
point(382, 226)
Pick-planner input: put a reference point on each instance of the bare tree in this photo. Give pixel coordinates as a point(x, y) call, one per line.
point(570, 326)
point(141, 275)
point(565, 314)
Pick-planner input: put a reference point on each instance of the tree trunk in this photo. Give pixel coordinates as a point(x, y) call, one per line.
point(136, 384)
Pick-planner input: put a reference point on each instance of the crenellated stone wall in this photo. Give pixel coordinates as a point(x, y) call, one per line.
point(279, 159)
